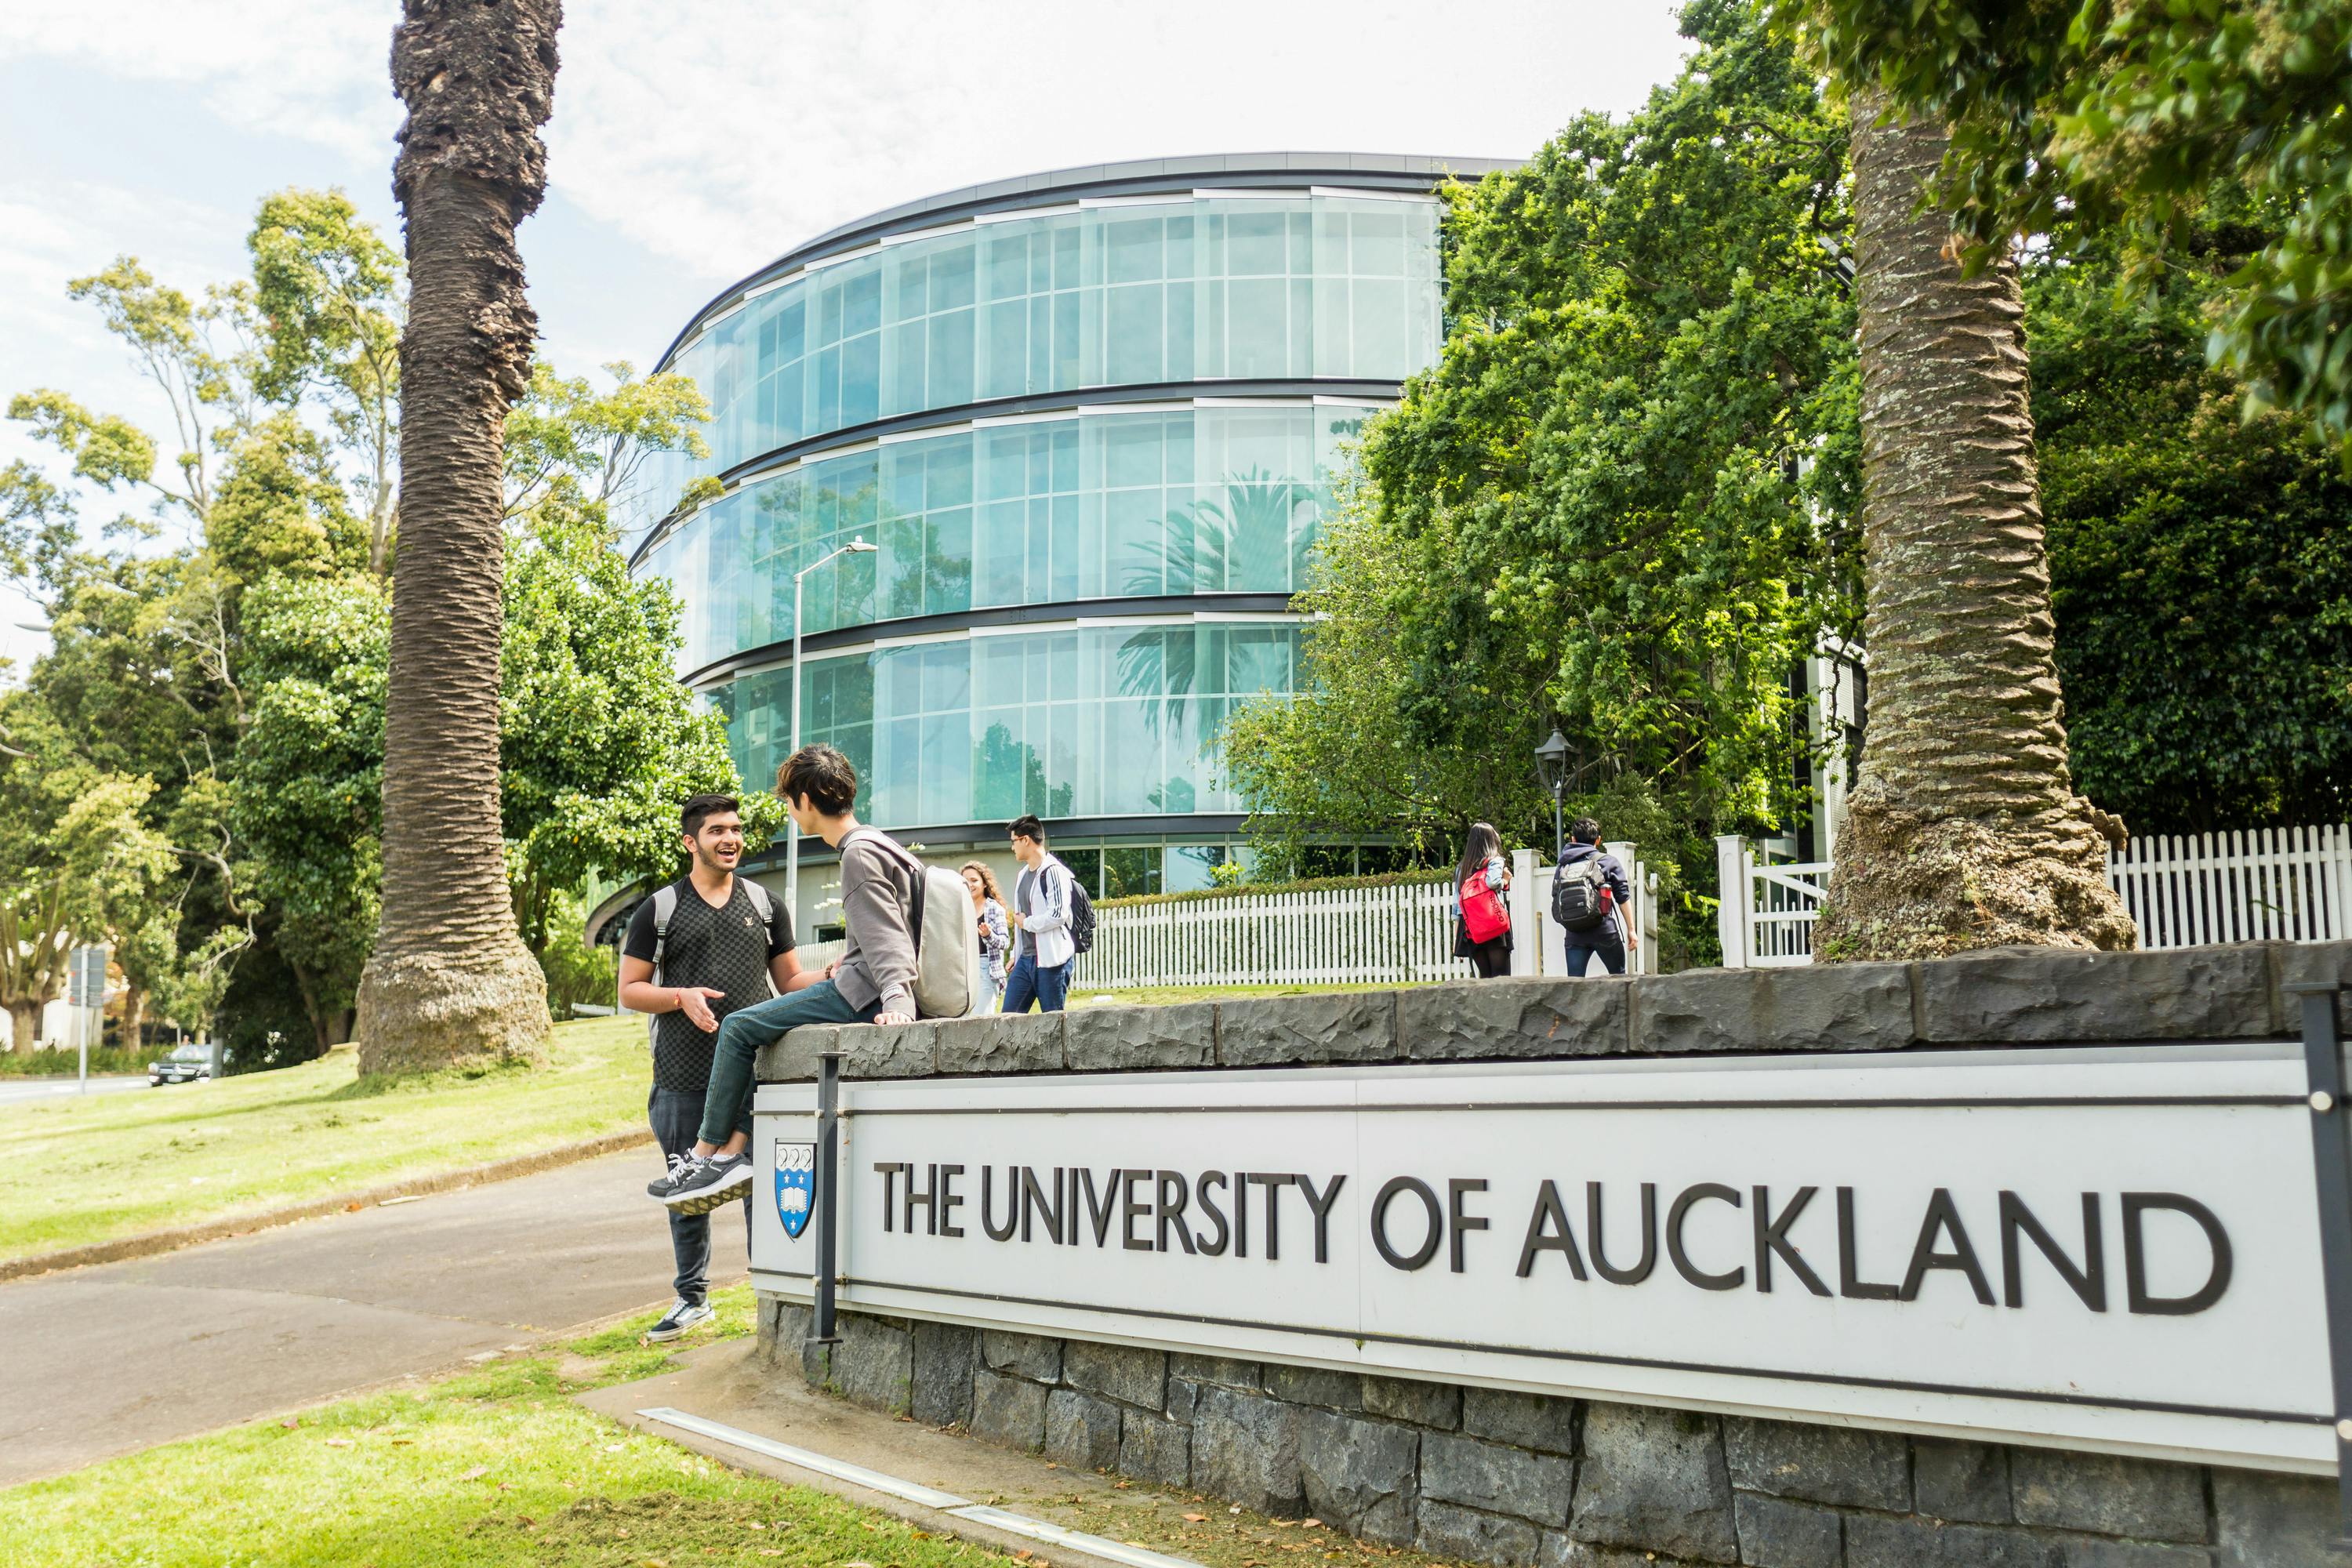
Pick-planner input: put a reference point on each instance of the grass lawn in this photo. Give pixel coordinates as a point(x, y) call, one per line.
point(499, 1468)
point(75, 1171)
point(492, 1469)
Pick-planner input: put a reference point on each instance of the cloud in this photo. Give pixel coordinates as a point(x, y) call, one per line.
point(724, 144)
point(314, 69)
point(719, 134)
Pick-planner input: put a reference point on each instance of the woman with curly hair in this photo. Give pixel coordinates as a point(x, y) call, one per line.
point(995, 934)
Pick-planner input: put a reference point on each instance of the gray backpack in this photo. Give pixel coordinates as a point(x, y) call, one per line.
point(665, 905)
point(946, 938)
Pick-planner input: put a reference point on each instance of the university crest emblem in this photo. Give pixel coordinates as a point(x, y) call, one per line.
point(795, 1184)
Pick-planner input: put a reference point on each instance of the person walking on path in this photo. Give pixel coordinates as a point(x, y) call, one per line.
point(1482, 920)
point(703, 948)
point(1592, 898)
point(873, 981)
point(1043, 946)
point(995, 933)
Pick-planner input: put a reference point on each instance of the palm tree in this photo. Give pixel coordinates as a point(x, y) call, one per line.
point(449, 979)
point(1965, 830)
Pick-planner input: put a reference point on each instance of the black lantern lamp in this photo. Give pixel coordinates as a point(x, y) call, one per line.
point(1551, 764)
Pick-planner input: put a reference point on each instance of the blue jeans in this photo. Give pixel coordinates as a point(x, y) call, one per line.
point(1602, 940)
point(673, 1113)
point(727, 1108)
point(1049, 988)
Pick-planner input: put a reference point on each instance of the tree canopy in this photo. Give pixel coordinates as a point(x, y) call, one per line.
point(2140, 119)
point(218, 671)
point(1618, 503)
point(2201, 562)
point(1623, 501)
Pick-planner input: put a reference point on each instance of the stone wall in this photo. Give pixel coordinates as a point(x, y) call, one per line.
point(1520, 1481)
point(2009, 996)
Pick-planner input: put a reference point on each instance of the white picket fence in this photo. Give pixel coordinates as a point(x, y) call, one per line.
point(2271, 884)
point(1387, 934)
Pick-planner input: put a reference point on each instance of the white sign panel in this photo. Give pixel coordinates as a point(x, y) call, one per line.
point(2111, 1248)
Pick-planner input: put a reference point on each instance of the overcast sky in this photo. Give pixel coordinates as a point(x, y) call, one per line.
point(695, 139)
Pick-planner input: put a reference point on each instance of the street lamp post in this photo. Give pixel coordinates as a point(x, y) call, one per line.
point(792, 829)
point(1552, 765)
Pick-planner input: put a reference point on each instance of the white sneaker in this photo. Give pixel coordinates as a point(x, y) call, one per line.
point(682, 1316)
point(708, 1184)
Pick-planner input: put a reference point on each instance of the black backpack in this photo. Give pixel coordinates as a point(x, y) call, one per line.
point(1082, 915)
point(1576, 894)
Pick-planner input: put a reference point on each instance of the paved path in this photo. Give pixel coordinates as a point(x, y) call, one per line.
point(103, 1361)
point(34, 1091)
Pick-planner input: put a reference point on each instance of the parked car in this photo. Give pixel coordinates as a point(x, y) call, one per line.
point(185, 1064)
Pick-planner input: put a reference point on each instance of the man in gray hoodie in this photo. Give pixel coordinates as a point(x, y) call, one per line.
point(873, 981)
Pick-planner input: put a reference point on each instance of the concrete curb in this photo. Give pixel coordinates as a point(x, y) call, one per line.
point(148, 1244)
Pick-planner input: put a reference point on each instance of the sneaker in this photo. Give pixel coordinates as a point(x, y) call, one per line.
point(682, 1315)
point(678, 1164)
point(709, 1184)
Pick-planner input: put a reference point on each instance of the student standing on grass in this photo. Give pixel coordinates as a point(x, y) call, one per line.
point(873, 981)
point(725, 946)
point(1043, 946)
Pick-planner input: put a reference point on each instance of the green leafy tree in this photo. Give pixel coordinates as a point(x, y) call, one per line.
point(599, 742)
point(307, 814)
point(2200, 566)
point(2138, 116)
point(332, 298)
point(73, 845)
point(244, 674)
point(1617, 502)
point(569, 442)
point(199, 358)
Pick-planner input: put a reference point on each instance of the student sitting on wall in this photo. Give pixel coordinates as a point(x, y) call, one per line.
point(873, 982)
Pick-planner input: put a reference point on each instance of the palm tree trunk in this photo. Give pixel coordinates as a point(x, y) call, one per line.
point(449, 980)
point(1965, 830)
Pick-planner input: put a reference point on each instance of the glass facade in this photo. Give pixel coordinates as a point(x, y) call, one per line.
point(1139, 291)
point(1189, 500)
point(1086, 721)
point(1165, 491)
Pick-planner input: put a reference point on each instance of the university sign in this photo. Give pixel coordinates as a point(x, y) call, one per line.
point(2109, 1247)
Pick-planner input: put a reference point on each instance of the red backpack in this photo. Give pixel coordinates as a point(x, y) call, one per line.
point(1483, 914)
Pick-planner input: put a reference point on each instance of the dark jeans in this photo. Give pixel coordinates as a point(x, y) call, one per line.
point(1491, 957)
point(673, 1113)
point(1603, 941)
point(727, 1108)
point(1049, 988)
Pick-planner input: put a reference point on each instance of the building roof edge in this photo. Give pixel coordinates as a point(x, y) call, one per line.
point(1050, 188)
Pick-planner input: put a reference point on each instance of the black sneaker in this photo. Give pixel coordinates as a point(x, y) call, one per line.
point(682, 1316)
point(709, 1183)
point(678, 1165)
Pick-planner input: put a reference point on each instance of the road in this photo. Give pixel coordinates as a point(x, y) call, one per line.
point(107, 1359)
point(33, 1091)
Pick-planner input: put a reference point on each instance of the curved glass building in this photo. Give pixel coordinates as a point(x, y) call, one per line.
point(1092, 421)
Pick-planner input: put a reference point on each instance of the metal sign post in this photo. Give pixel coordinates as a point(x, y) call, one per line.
point(2323, 1063)
point(828, 1171)
point(86, 994)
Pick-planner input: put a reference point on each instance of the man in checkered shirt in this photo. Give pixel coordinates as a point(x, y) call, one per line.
point(718, 954)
